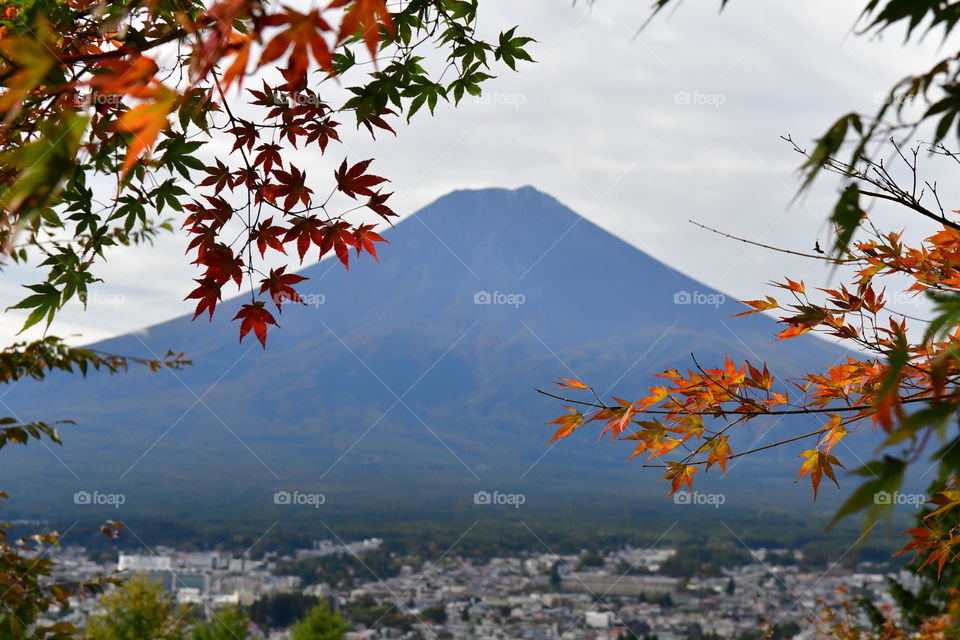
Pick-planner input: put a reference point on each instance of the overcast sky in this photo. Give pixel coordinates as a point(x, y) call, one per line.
point(637, 134)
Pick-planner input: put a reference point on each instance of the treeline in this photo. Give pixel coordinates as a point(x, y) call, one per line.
point(343, 569)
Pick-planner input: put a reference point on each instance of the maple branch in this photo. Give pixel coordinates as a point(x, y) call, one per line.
point(105, 55)
point(773, 248)
point(743, 453)
point(916, 206)
point(733, 396)
point(722, 412)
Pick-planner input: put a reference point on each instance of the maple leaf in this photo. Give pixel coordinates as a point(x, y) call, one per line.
point(932, 540)
point(208, 293)
point(222, 264)
point(278, 284)
point(373, 120)
point(365, 17)
point(719, 451)
point(365, 237)
point(653, 437)
point(376, 204)
point(354, 181)
point(266, 235)
point(679, 474)
point(569, 383)
point(796, 287)
point(269, 98)
point(339, 237)
point(219, 177)
point(321, 132)
point(239, 47)
point(568, 424)
point(128, 75)
point(246, 135)
point(758, 306)
point(145, 122)
point(255, 317)
point(303, 36)
point(618, 418)
point(291, 188)
point(305, 230)
point(834, 435)
point(269, 156)
point(34, 60)
point(818, 463)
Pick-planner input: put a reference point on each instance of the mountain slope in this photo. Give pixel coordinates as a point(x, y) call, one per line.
point(413, 382)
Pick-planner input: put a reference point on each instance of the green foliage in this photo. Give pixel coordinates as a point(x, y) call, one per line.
point(320, 624)
point(139, 610)
point(281, 610)
point(226, 624)
point(368, 612)
point(436, 614)
point(26, 591)
point(705, 560)
point(343, 570)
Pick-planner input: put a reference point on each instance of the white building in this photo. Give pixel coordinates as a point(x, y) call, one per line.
point(144, 563)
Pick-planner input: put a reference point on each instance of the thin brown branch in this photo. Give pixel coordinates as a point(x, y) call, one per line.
point(744, 453)
point(771, 247)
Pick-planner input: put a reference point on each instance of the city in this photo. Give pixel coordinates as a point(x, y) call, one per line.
point(618, 595)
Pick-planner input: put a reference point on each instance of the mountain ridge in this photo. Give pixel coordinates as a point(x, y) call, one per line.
point(409, 381)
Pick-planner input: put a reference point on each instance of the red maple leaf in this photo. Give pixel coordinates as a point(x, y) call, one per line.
point(208, 293)
point(376, 203)
point(374, 120)
point(354, 181)
point(219, 177)
point(266, 235)
point(269, 155)
point(305, 230)
point(339, 237)
point(278, 284)
point(256, 317)
point(365, 237)
point(246, 134)
point(291, 188)
point(222, 265)
point(322, 131)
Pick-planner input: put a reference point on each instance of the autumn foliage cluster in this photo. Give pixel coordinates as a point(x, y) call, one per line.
point(115, 113)
point(903, 380)
point(122, 120)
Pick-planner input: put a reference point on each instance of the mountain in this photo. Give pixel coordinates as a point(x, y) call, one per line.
point(410, 382)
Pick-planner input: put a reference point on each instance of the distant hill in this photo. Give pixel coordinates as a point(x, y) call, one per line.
point(412, 384)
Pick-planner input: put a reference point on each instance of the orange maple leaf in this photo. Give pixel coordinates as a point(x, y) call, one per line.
point(145, 122)
point(568, 424)
point(818, 463)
